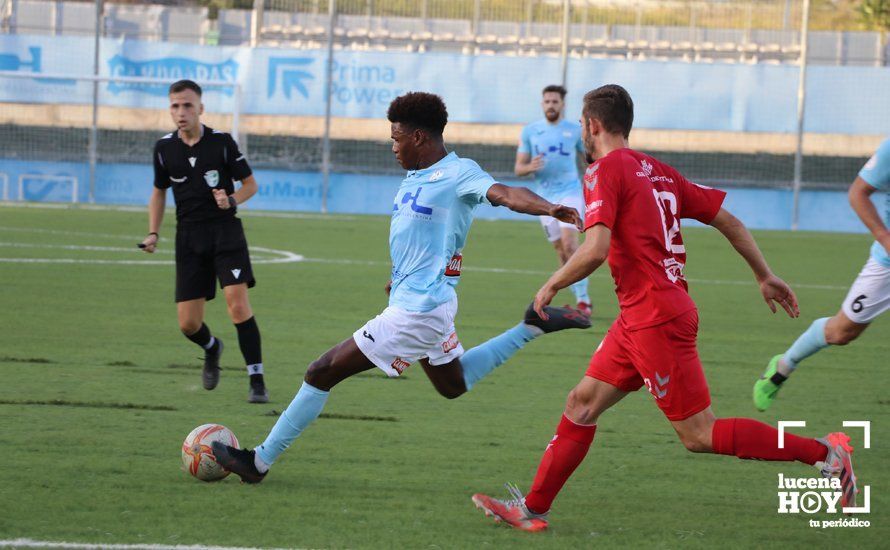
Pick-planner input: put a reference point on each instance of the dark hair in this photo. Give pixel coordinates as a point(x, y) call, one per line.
point(555, 88)
point(419, 110)
point(183, 85)
point(612, 106)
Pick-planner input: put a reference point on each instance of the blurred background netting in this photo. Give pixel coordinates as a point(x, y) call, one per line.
point(715, 81)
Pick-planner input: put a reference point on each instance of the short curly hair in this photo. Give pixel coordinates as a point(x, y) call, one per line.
point(419, 110)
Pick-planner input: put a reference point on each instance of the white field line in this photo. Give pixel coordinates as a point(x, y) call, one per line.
point(113, 208)
point(30, 543)
point(290, 257)
point(283, 256)
point(42, 231)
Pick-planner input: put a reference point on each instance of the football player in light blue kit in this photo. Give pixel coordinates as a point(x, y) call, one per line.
point(431, 216)
point(547, 149)
point(868, 297)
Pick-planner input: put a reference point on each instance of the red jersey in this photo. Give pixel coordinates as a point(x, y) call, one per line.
point(641, 200)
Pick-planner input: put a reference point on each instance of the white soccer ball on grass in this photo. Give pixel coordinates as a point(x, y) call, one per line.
point(197, 456)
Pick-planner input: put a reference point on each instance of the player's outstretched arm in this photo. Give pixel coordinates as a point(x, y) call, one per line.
point(860, 199)
point(156, 204)
point(774, 289)
point(589, 256)
point(525, 201)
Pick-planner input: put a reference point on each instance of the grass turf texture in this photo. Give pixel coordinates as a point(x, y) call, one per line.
point(99, 389)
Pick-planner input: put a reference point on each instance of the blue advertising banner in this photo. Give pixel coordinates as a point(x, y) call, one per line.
point(130, 184)
point(496, 89)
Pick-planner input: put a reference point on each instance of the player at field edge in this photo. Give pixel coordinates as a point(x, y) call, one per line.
point(201, 165)
point(869, 296)
point(431, 216)
point(634, 207)
point(554, 142)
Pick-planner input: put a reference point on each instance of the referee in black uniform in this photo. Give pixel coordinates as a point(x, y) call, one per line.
point(201, 165)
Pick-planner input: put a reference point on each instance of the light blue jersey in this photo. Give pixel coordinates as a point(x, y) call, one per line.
point(558, 143)
point(431, 217)
point(876, 173)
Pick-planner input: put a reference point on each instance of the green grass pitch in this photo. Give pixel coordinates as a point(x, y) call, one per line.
point(99, 389)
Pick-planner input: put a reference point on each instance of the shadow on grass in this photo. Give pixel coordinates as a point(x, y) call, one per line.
point(87, 404)
point(335, 416)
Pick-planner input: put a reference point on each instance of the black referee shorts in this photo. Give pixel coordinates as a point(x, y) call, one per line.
point(210, 251)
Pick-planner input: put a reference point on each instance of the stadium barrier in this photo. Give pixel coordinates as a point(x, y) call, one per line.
point(722, 123)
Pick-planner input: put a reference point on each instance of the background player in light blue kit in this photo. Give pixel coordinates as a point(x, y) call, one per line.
point(431, 216)
point(868, 297)
point(548, 149)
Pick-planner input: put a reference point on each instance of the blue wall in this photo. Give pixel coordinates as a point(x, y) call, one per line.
point(130, 184)
point(668, 95)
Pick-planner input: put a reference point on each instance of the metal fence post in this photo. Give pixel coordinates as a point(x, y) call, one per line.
point(236, 118)
point(256, 26)
point(94, 128)
point(326, 138)
point(801, 105)
point(564, 47)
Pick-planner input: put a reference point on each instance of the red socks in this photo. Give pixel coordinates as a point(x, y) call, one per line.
point(747, 438)
point(742, 437)
point(563, 455)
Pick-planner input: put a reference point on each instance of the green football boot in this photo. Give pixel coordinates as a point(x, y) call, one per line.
point(765, 390)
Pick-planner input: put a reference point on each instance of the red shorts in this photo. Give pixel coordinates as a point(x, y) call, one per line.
point(663, 357)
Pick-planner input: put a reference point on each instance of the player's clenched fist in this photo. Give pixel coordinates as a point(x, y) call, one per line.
point(566, 214)
point(150, 243)
point(222, 200)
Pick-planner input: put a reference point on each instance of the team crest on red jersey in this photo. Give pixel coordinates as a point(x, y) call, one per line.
point(590, 176)
point(400, 365)
point(647, 169)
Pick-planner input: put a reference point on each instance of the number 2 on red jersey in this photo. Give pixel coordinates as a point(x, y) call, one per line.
point(667, 203)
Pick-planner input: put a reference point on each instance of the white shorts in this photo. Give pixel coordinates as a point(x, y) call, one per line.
point(553, 227)
point(397, 337)
point(870, 294)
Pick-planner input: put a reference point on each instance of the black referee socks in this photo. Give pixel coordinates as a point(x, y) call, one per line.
point(249, 341)
point(202, 337)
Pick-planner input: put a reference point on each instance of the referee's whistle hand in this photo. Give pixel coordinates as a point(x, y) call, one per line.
point(222, 200)
point(150, 244)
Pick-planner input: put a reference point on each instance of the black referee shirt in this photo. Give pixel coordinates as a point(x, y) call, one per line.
point(213, 163)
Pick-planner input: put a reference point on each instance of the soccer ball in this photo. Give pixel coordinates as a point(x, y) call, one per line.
point(197, 456)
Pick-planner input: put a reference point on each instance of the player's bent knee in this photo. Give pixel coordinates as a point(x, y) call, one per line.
point(189, 326)
point(450, 392)
point(319, 373)
point(841, 337)
point(695, 444)
point(239, 312)
point(580, 407)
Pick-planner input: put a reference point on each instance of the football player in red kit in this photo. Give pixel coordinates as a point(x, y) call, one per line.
point(634, 207)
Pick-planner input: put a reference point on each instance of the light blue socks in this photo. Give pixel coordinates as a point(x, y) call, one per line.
point(310, 401)
point(808, 343)
point(305, 408)
point(484, 358)
point(579, 289)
